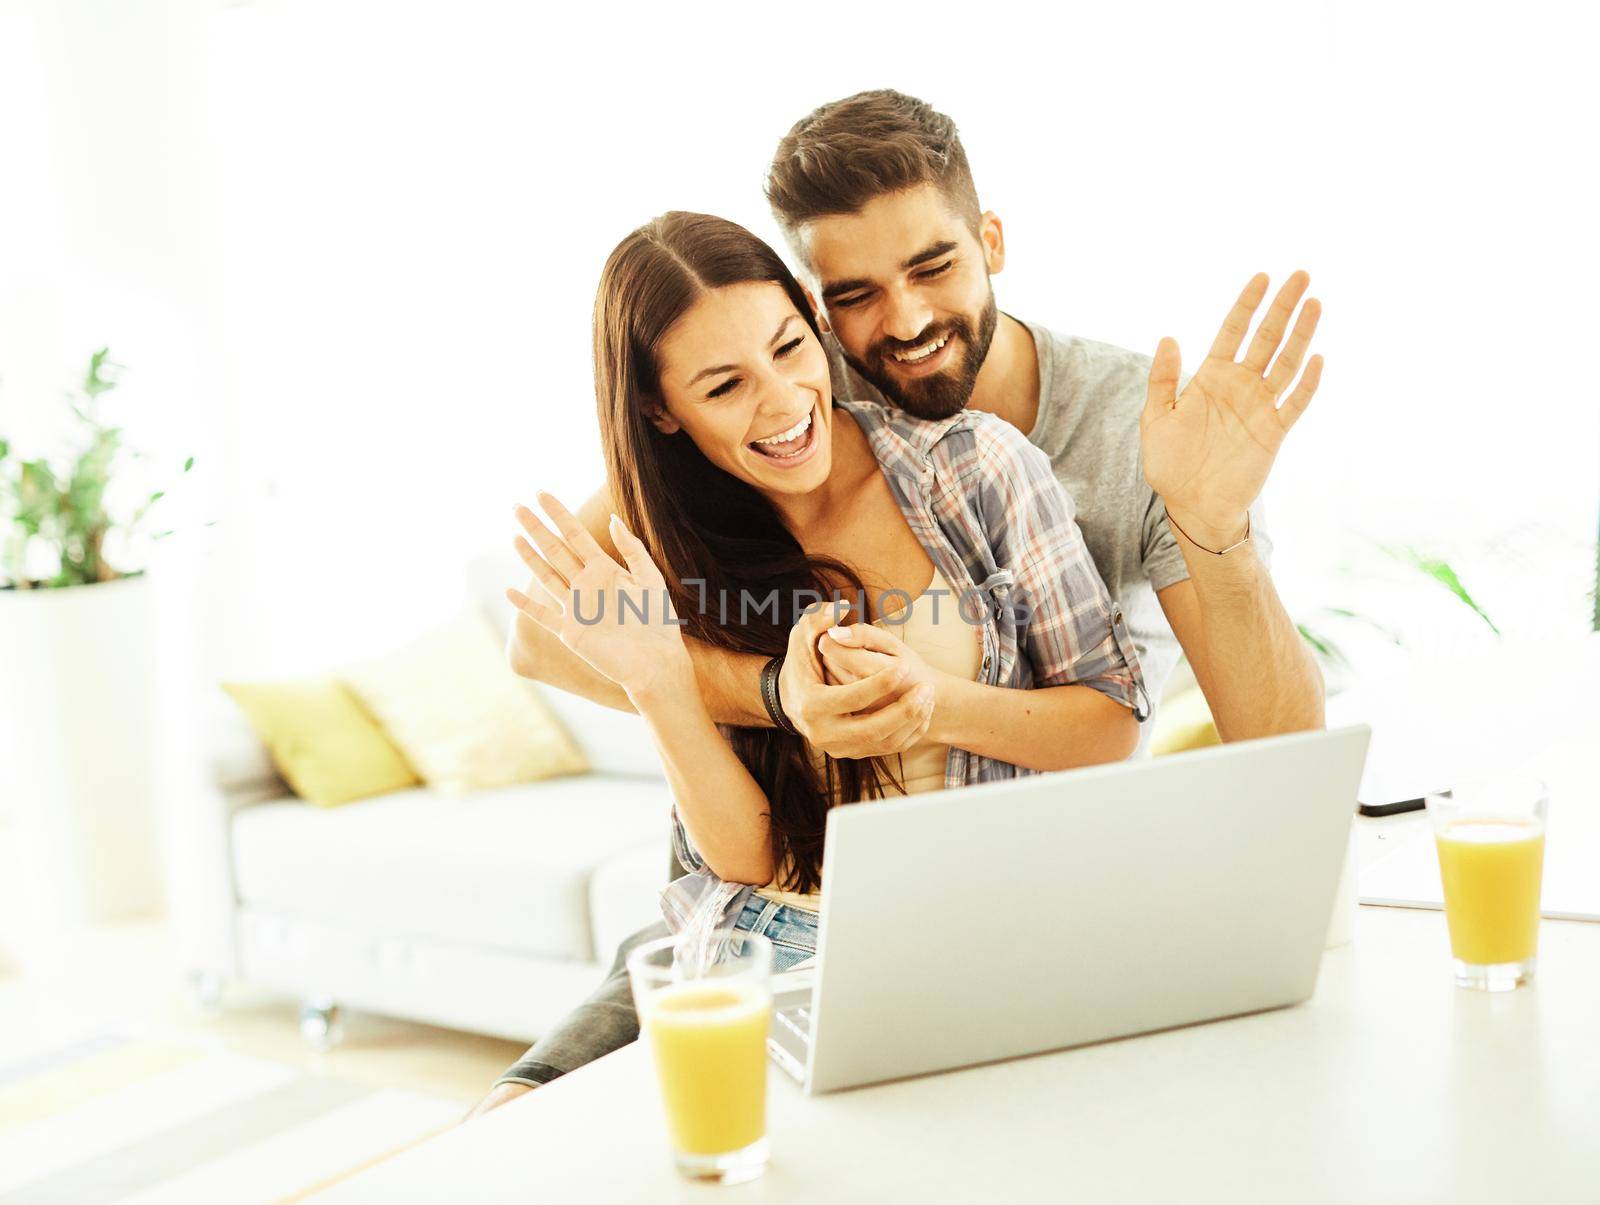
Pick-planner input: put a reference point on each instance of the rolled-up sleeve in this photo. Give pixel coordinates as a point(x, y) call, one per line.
point(1067, 622)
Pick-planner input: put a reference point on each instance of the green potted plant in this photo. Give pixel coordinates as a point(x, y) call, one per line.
point(79, 733)
point(1317, 630)
point(57, 514)
point(1184, 720)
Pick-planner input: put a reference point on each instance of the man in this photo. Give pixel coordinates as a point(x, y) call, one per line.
point(877, 202)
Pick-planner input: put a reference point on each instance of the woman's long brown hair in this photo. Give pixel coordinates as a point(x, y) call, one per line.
point(703, 525)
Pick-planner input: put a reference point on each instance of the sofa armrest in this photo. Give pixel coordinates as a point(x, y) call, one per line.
point(232, 771)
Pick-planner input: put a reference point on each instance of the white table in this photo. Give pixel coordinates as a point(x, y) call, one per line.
point(1390, 1085)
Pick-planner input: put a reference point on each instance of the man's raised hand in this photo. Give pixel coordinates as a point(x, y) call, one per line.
point(1208, 450)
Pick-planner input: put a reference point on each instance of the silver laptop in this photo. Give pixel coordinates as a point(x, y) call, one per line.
point(963, 927)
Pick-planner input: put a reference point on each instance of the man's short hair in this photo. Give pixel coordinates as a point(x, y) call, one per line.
point(841, 156)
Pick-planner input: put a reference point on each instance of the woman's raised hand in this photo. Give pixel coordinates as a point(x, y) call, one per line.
point(617, 617)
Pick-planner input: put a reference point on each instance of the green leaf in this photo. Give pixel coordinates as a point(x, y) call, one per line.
point(188, 464)
point(1441, 571)
point(138, 515)
point(5, 449)
point(95, 382)
point(1329, 651)
point(1310, 637)
point(87, 486)
point(1356, 617)
point(38, 496)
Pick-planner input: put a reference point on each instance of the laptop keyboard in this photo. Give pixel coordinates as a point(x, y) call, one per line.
point(797, 1021)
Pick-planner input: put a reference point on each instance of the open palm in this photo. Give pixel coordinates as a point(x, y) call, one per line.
point(617, 617)
point(1208, 450)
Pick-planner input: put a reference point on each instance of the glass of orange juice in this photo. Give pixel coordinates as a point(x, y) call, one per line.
point(707, 1028)
point(1490, 835)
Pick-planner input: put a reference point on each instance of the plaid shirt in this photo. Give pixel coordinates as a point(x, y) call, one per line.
point(989, 512)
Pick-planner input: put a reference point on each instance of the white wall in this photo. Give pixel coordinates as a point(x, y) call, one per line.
point(349, 248)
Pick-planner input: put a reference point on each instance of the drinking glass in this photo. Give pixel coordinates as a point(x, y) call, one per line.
point(1490, 835)
point(707, 1027)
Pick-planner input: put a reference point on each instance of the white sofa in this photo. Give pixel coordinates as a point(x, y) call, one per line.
point(493, 912)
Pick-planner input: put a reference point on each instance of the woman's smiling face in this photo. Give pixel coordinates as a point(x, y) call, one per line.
point(743, 376)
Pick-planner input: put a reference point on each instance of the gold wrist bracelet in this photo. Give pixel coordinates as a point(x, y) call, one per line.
point(1245, 540)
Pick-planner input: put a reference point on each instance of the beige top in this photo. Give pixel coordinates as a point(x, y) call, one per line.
point(935, 629)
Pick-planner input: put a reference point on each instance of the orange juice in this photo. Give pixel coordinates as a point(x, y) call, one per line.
point(1491, 871)
point(710, 1043)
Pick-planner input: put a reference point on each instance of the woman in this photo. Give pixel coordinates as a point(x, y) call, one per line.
point(744, 489)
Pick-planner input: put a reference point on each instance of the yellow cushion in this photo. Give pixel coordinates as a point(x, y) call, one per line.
point(454, 708)
point(1183, 722)
point(325, 746)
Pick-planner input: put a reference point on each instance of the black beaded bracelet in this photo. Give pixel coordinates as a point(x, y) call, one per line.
point(774, 702)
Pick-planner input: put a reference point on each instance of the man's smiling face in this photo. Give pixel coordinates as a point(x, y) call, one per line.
point(905, 283)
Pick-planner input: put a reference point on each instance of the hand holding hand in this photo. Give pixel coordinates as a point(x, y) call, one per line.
point(1208, 450)
point(879, 712)
point(861, 649)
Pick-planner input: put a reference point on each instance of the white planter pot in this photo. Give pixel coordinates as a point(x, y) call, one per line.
point(78, 707)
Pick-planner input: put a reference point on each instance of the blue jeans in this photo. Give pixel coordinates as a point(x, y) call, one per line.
point(606, 1020)
point(792, 931)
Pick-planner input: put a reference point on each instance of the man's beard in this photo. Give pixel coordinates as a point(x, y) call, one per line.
point(945, 393)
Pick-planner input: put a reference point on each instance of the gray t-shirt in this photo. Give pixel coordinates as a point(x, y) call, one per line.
point(1090, 397)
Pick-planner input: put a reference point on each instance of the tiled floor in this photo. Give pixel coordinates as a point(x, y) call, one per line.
point(126, 978)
